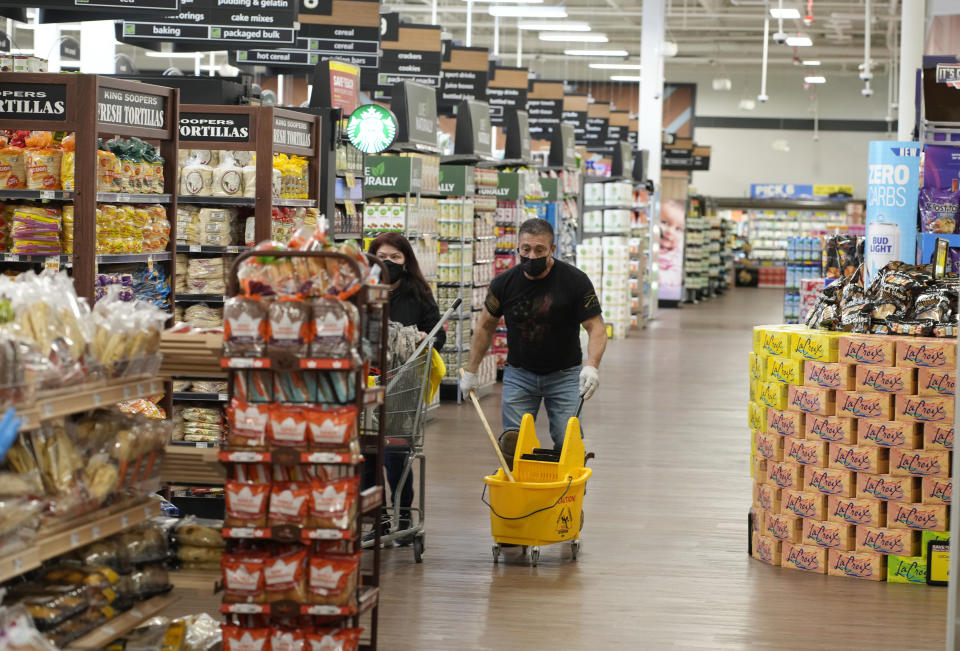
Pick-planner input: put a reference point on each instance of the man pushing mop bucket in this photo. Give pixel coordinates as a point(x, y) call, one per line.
point(544, 302)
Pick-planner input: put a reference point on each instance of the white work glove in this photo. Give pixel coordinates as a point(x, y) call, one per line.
point(468, 382)
point(589, 381)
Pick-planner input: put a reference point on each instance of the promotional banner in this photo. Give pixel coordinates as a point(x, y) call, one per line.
point(893, 185)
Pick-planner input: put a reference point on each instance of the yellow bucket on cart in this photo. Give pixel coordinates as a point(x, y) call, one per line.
point(545, 503)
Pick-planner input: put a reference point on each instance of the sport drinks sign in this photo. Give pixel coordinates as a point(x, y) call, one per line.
point(893, 183)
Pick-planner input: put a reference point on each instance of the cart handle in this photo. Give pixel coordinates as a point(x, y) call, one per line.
point(436, 328)
point(483, 499)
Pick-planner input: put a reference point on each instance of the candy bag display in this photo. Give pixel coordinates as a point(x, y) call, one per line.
point(938, 210)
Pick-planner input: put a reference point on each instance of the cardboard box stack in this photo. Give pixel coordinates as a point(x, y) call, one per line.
point(606, 261)
point(851, 437)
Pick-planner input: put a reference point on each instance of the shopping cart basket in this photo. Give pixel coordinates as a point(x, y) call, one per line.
point(545, 504)
point(407, 399)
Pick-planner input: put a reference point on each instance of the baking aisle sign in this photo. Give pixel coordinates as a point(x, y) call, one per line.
point(893, 184)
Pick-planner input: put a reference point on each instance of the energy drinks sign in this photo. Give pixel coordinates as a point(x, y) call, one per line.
point(893, 185)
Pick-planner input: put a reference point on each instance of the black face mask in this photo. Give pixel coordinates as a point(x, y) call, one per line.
point(394, 270)
point(533, 266)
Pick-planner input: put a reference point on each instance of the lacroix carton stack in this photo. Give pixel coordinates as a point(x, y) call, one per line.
point(855, 464)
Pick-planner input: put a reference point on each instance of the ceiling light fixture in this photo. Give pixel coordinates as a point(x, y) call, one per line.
point(593, 37)
point(527, 12)
point(596, 53)
point(559, 26)
point(811, 62)
point(815, 79)
point(633, 78)
point(799, 41)
point(616, 66)
point(786, 14)
point(513, 2)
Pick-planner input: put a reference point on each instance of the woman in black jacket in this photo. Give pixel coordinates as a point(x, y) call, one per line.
point(411, 304)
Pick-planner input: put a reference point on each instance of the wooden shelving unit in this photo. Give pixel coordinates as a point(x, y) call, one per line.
point(122, 624)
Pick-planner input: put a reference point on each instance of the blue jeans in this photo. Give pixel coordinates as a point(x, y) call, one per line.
point(523, 390)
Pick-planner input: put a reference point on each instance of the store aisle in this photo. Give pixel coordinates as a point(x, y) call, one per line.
point(664, 562)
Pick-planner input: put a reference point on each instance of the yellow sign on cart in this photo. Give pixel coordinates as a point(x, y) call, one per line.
point(938, 562)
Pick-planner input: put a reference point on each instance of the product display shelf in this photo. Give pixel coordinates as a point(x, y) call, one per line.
point(123, 623)
point(347, 220)
point(395, 201)
point(63, 537)
point(93, 107)
point(641, 239)
point(372, 303)
point(804, 257)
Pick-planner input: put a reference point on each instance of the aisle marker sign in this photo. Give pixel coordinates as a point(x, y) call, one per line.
point(893, 182)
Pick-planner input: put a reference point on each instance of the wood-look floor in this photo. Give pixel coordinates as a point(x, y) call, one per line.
point(664, 562)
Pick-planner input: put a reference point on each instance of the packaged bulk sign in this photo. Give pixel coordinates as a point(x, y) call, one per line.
point(851, 437)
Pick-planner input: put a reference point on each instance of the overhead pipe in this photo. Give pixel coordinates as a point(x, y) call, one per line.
point(763, 97)
point(865, 74)
point(469, 22)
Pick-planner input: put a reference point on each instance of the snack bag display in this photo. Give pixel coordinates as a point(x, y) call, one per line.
point(938, 210)
point(67, 163)
point(246, 503)
point(248, 424)
point(13, 168)
point(285, 577)
point(333, 579)
point(333, 504)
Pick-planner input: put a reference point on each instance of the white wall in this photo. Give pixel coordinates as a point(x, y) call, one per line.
point(838, 99)
point(744, 156)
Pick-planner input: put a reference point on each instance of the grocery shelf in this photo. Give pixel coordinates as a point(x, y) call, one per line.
point(289, 457)
point(594, 208)
point(124, 258)
point(122, 624)
point(125, 197)
point(318, 364)
point(84, 397)
point(76, 532)
point(199, 298)
point(286, 533)
point(348, 236)
point(204, 397)
point(296, 203)
point(196, 248)
point(217, 201)
point(367, 599)
point(37, 195)
point(191, 464)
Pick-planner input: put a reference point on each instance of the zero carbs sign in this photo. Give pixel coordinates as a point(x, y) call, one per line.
point(372, 128)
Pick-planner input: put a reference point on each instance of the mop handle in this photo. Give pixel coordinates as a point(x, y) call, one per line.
point(493, 439)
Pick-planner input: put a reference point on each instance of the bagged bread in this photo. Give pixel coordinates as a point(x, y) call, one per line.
point(243, 577)
point(335, 327)
point(43, 169)
point(244, 327)
point(13, 168)
point(227, 177)
point(288, 426)
point(333, 504)
point(289, 326)
point(246, 503)
point(289, 502)
point(333, 579)
point(285, 577)
point(332, 428)
point(248, 424)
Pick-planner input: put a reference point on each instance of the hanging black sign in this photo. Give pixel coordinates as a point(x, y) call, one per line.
point(459, 85)
point(616, 134)
point(295, 133)
point(501, 99)
point(415, 106)
point(62, 11)
point(129, 108)
point(407, 65)
point(579, 121)
point(596, 132)
point(226, 127)
point(33, 102)
point(70, 48)
point(171, 5)
point(545, 115)
point(4, 41)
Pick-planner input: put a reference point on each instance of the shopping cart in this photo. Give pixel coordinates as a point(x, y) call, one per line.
point(407, 399)
point(544, 505)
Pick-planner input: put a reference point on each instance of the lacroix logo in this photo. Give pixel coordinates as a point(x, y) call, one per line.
point(943, 436)
point(881, 434)
point(782, 424)
point(853, 566)
point(783, 371)
point(916, 464)
point(806, 400)
point(862, 407)
point(764, 550)
point(823, 536)
point(912, 572)
point(883, 489)
point(941, 490)
point(781, 476)
point(923, 410)
point(805, 453)
point(765, 499)
point(942, 384)
point(770, 394)
point(808, 348)
point(916, 518)
point(779, 528)
point(773, 343)
point(923, 356)
point(825, 482)
point(864, 352)
point(883, 381)
point(803, 559)
point(883, 543)
point(801, 505)
point(854, 459)
point(825, 376)
point(765, 447)
point(827, 431)
point(853, 513)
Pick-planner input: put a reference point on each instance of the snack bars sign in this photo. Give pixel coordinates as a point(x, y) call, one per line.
point(128, 108)
point(33, 102)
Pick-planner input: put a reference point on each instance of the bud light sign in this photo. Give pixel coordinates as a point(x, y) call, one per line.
point(893, 184)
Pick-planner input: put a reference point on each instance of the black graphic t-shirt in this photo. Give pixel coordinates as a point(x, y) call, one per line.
point(543, 316)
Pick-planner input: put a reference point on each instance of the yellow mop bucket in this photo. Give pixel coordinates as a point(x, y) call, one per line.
point(545, 503)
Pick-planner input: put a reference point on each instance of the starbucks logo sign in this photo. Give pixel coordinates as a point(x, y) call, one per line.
point(372, 128)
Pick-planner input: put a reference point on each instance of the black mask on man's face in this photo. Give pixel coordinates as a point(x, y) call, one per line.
point(394, 270)
point(533, 266)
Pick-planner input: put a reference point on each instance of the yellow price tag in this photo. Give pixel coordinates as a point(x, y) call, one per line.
point(350, 207)
point(350, 179)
